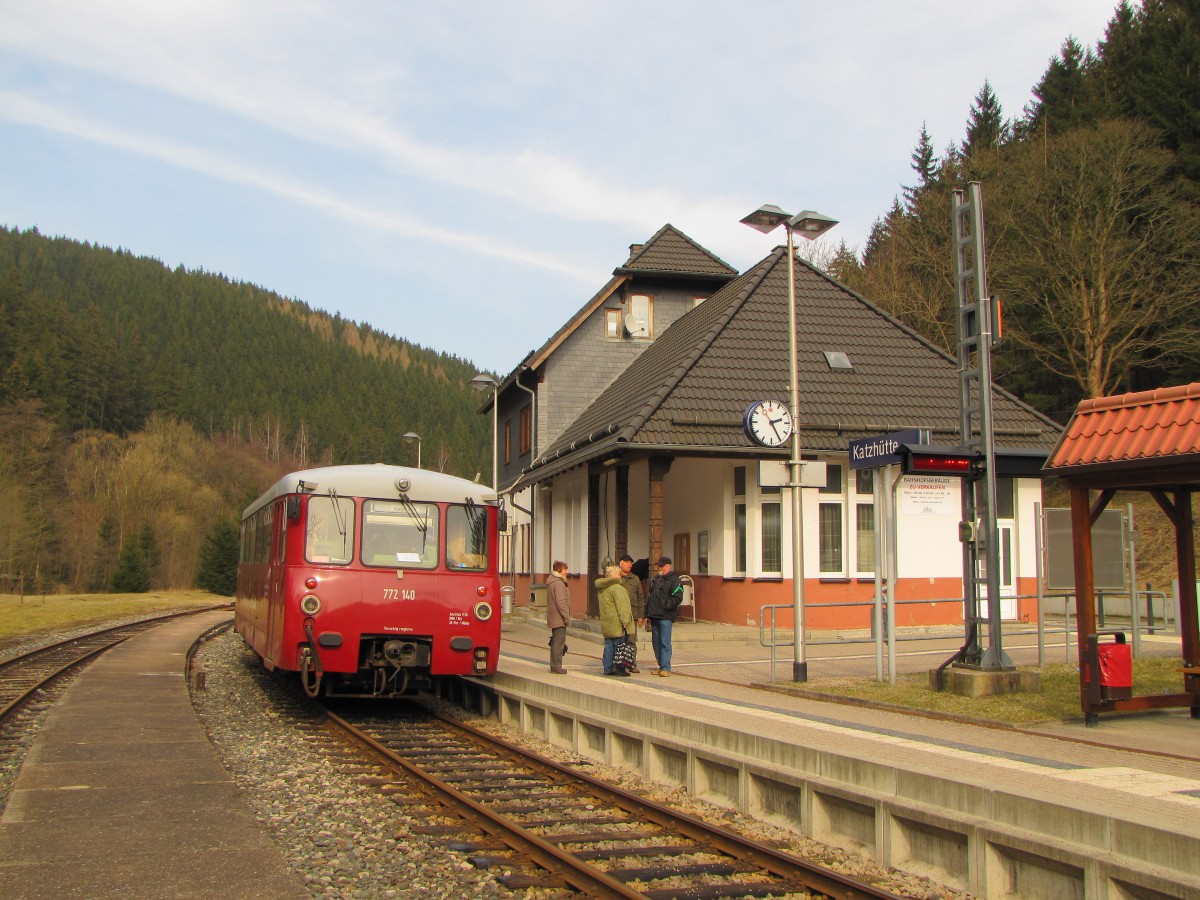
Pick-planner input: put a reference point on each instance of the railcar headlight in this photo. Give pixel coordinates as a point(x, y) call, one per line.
point(310, 604)
point(483, 611)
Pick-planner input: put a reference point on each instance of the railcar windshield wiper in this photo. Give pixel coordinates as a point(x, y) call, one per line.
point(338, 517)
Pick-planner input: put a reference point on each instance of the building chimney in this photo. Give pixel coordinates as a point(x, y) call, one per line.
point(634, 248)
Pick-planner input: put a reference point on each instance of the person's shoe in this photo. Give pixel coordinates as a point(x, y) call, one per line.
point(664, 673)
point(635, 670)
point(622, 673)
point(558, 671)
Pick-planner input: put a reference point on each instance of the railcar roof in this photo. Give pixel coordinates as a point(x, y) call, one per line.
point(377, 480)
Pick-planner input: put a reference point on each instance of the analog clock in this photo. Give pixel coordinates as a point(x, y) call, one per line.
point(768, 422)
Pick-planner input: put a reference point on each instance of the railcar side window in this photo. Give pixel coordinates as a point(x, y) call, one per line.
point(400, 534)
point(466, 538)
point(329, 531)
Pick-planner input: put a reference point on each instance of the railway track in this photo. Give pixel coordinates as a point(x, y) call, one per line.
point(545, 825)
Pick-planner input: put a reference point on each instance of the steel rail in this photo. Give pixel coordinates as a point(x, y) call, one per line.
point(795, 873)
point(565, 865)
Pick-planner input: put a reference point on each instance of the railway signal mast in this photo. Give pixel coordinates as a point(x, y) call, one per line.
point(978, 330)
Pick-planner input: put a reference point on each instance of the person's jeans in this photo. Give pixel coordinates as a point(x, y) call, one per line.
point(660, 640)
point(610, 649)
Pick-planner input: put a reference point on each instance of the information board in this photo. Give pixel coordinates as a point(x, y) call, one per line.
point(1108, 551)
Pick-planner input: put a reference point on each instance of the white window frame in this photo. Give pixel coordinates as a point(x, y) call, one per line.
point(864, 500)
point(833, 499)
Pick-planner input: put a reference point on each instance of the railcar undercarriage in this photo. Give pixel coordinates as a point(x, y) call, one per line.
point(388, 666)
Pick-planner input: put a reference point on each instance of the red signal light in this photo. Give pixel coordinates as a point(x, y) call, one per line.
point(310, 583)
point(482, 590)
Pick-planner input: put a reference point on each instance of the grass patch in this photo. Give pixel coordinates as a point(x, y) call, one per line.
point(1058, 699)
point(37, 613)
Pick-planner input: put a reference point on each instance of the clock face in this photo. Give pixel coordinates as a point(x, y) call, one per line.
point(768, 422)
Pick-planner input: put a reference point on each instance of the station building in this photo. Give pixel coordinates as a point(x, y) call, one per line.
point(624, 433)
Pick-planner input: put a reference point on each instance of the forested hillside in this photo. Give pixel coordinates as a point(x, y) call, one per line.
point(141, 406)
point(1092, 224)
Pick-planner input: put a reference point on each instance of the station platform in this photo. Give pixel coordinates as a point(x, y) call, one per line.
point(122, 794)
point(1057, 809)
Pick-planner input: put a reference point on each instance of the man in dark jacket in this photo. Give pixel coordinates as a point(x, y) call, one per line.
point(666, 593)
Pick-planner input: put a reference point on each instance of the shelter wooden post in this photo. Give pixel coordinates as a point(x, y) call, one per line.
point(1085, 585)
point(1185, 561)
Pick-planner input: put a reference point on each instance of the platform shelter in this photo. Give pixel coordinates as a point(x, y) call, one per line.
point(1147, 441)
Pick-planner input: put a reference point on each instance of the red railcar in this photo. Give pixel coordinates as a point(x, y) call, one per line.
point(371, 580)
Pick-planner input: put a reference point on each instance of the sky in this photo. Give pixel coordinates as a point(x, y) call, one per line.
point(465, 176)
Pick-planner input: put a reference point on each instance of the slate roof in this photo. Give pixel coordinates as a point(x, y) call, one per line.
point(1144, 439)
point(686, 394)
point(668, 252)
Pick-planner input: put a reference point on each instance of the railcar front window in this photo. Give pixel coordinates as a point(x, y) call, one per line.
point(329, 534)
point(400, 534)
point(466, 538)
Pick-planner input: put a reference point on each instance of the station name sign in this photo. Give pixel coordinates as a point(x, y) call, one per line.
point(883, 449)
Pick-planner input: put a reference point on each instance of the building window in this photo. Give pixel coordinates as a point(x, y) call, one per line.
point(864, 521)
point(640, 321)
point(702, 553)
point(865, 543)
point(507, 442)
point(830, 525)
point(739, 520)
point(526, 429)
point(831, 522)
point(772, 540)
point(612, 324)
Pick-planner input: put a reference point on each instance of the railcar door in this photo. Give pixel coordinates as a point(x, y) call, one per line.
point(276, 599)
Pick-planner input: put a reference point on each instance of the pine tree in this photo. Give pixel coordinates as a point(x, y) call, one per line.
point(1069, 95)
point(219, 560)
point(925, 164)
point(986, 127)
point(132, 575)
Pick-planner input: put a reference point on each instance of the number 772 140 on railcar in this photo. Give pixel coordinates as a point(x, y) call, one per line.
point(371, 580)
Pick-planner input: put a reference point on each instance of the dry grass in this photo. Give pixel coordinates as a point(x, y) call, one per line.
point(1058, 699)
point(36, 613)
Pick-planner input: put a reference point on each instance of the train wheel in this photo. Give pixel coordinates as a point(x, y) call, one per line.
point(310, 682)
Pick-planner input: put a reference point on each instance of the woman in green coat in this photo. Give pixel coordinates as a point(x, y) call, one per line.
point(616, 615)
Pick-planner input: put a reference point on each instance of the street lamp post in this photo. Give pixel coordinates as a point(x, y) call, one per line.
point(409, 438)
point(488, 383)
point(809, 225)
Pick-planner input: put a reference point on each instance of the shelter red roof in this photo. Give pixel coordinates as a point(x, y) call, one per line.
point(1147, 430)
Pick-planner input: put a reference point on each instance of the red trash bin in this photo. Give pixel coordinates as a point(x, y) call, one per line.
point(1116, 670)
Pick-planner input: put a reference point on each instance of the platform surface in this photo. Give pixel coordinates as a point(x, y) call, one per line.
point(122, 794)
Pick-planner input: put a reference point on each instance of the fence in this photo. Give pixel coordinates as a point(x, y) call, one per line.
point(885, 637)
